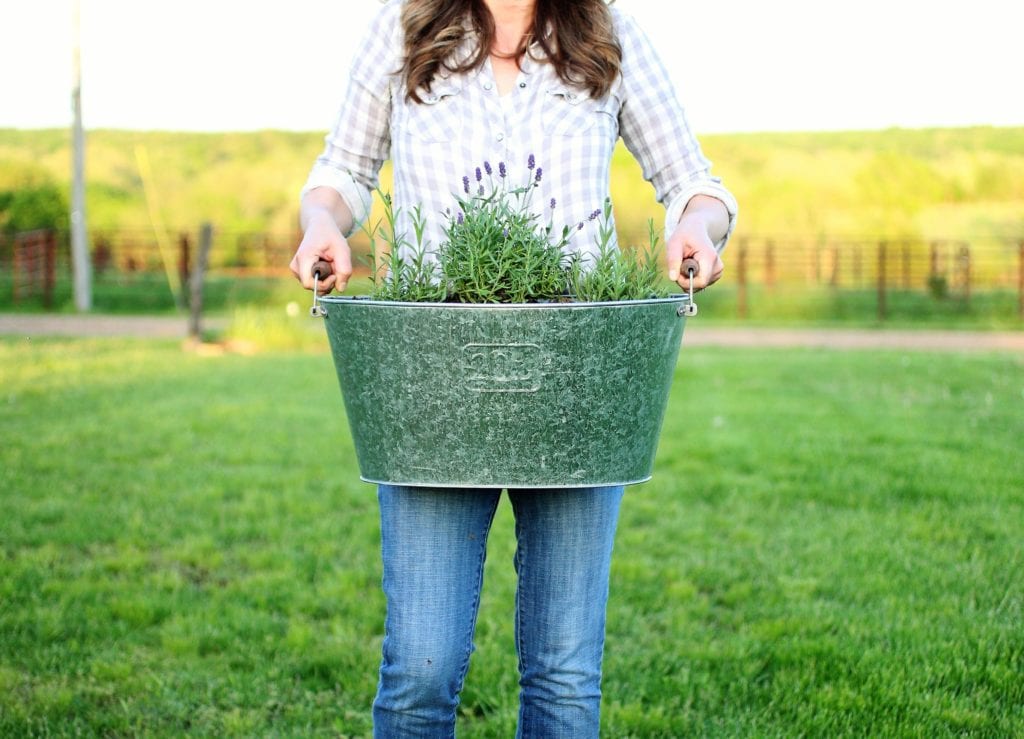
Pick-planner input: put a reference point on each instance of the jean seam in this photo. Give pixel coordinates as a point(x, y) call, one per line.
point(520, 563)
point(481, 560)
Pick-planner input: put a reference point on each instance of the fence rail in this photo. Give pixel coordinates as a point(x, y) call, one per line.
point(942, 268)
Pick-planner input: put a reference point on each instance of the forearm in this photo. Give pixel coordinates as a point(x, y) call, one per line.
point(325, 202)
point(711, 213)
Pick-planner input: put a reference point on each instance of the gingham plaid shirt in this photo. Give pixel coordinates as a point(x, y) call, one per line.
point(464, 125)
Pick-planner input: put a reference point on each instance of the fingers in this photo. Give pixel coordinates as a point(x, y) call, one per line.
point(327, 245)
point(342, 268)
point(711, 268)
point(674, 255)
point(684, 245)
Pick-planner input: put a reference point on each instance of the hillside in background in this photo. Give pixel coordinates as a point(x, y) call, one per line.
point(921, 184)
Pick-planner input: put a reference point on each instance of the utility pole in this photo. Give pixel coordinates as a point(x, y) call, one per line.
point(79, 235)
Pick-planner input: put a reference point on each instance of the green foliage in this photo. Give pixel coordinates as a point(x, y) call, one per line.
point(412, 279)
point(29, 208)
point(799, 185)
point(617, 274)
point(839, 555)
point(938, 287)
point(496, 250)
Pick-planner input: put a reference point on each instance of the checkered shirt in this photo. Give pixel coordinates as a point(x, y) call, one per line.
point(463, 124)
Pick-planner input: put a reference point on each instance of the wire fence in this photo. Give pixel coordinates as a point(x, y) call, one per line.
point(35, 266)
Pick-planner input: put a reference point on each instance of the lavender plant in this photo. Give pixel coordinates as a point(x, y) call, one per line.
point(496, 250)
point(396, 277)
point(614, 274)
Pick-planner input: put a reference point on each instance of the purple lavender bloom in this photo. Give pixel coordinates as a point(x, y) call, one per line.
point(531, 162)
point(579, 226)
point(594, 215)
point(480, 191)
point(540, 173)
point(462, 218)
point(465, 184)
point(502, 172)
point(479, 174)
point(487, 168)
point(553, 203)
point(504, 232)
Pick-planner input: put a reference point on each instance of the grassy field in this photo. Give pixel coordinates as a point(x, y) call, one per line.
point(832, 545)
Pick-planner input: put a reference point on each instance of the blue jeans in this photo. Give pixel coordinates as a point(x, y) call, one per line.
point(434, 543)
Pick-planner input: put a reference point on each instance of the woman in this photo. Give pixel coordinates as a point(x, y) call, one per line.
point(444, 86)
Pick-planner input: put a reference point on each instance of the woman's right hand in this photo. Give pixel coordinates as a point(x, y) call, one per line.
point(322, 240)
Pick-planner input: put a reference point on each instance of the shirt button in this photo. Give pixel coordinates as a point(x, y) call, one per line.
point(522, 85)
point(500, 137)
point(487, 85)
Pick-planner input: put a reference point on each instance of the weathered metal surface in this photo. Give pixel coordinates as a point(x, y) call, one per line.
point(536, 395)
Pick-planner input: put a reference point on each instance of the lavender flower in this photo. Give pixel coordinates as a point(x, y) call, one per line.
point(531, 162)
point(552, 203)
point(479, 174)
point(487, 168)
point(480, 191)
point(579, 226)
point(536, 178)
point(594, 215)
point(502, 172)
point(504, 232)
point(462, 218)
point(465, 184)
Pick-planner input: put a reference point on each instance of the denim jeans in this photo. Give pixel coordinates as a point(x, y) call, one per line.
point(434, 544)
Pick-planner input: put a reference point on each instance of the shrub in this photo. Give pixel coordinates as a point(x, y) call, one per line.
point(496, 250)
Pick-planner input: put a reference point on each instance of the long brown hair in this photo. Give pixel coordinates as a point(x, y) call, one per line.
point(580, 41)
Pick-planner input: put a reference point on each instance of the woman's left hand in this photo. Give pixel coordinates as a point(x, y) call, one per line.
point(691, 240)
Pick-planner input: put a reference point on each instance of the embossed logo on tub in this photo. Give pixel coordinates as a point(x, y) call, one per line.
point(502, 368)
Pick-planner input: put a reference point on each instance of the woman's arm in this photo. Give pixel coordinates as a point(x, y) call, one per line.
point(700, 212)
point(337, 194)
point(324, 217)
point(704, 223)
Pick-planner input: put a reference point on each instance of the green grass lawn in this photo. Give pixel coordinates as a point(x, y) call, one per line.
point(832, 545)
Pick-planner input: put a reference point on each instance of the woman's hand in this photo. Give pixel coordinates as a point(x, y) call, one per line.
point(702, 220)
point(323, 214)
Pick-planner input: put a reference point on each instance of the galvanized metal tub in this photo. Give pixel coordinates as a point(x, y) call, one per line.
point(540, 395)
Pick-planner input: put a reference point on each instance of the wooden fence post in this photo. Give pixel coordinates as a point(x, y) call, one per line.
point(741, 279)
point(881, 281)
point(965, 266)
point(769, 264)
point(196, 283)
point(858, 272)
point(833, 279)
point(183, 258)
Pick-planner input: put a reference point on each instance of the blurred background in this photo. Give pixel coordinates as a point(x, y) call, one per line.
point(874, 148)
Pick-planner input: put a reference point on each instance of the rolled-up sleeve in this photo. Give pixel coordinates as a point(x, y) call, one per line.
point(654, 128)
point(359, 141)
